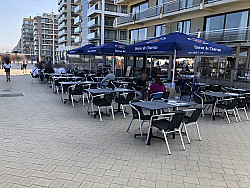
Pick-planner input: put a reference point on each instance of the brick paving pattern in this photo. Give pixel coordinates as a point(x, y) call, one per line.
point(45, 143)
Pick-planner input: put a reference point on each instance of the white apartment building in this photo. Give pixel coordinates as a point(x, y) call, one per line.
point(45, 36)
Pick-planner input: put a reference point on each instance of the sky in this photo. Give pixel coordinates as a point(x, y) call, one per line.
point(12, 13)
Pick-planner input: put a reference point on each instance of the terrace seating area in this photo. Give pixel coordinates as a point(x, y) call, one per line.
point(168, 113)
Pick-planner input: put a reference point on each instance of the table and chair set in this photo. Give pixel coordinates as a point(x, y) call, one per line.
point(167, 116)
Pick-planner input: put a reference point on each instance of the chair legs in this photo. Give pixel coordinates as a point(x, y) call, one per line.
point(123, 111)
point(166, 140)
point(198, 130)
point(235, 115)
point(238, 114)
point(72, 101)
point(130, 124)
point(100, 113)
point(185, 127)
point(227, 116)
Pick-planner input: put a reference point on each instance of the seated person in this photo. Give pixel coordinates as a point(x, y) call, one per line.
point(141, 86)
point(60, 70)
point(108, 77)
point(157, 86)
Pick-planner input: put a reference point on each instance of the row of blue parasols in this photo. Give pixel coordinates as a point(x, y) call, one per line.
point(175, 44)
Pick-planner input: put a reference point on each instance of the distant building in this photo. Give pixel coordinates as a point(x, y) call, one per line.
point(101, 15)
point(69, 26)
point(45, 36)
point(27, 45)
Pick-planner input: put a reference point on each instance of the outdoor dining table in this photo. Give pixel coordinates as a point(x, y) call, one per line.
point(218, 96)
point(71, 84)
point(63, 77)
point(106, 91)
point(239, 90)
point(156, 105)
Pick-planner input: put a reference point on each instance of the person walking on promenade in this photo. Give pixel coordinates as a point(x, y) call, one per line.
point(7, 67)
point(25, 63)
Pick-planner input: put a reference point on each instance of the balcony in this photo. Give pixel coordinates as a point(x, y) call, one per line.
point(77, 30)
point(92, 36)
point(77, 2)
point(77, 20)
point(78, 9)
point(78, 40)
point(225, 35)
point(62, 32)
point(62, 4)
point(62, 25)
point(92, 23)
point(62, 39)
point(61, 19)
point(167, 9)
point(93, 11)
point(63, 10)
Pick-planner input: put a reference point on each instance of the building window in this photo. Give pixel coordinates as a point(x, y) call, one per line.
point(227, 21)
point(123, 35)
point(160, 30)
point(184, 26)
point(139, 34)
point(139, 7)
point(186, 3)
point(110, 34)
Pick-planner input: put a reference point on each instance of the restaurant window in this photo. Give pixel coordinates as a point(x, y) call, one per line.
point(184, 26)
point(139, 7)
point(138, 34)
point(160, 30)
point(217, 67)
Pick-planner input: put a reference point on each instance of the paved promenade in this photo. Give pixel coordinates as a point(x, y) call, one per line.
point(45, 143)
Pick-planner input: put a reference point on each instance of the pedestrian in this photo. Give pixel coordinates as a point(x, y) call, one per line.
point(25, 63)
point(7, 67)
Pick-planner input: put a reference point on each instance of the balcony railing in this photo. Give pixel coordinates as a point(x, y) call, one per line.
point(155, 11)
point(77, 20)
point(93, 36)
point(93, 9)
point(225, 35)
point(77, 30)
point(78, 9)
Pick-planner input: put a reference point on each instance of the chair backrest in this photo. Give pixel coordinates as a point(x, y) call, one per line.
point(176, 120)
point(242, 102)
point(130, 96)
point(135, 111)
point(233, 103)
point(107, 99)
point(165, 95)
point(78, 88)
point(195, 115)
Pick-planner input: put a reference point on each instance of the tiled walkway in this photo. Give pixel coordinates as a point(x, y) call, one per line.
point(45, 143)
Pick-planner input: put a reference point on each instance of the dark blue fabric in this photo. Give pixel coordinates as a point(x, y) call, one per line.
point(81, 50)
point(110, 48)
point(185, 45)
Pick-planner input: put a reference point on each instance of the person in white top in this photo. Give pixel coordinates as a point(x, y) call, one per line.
point(7, 66)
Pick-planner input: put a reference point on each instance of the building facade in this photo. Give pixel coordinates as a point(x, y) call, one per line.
point(101, 15)
point(221, 21)
point(27, 45)
point(45, 36)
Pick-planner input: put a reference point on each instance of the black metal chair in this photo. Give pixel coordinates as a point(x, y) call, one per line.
point(138, 114)
point(159, 95)
point(167, 126)
point(191, 120)
point(228, 105)
point(105, 102)
point(124, 101)
point(78, 90)
point(204, 100)
point(242, 105)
